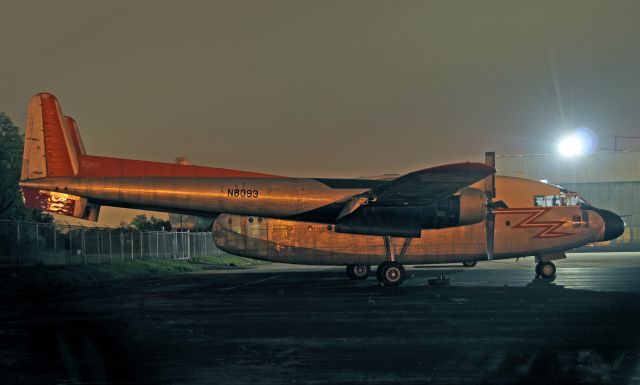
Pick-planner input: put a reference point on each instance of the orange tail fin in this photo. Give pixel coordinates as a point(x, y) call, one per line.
point(49, 149)
point(53, 148)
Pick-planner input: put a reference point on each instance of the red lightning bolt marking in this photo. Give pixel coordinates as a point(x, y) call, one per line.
point(549, 227)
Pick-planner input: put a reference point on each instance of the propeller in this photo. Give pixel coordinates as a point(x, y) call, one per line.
point(490, 192)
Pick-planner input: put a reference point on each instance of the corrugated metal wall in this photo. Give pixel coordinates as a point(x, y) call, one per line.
point(598, 167)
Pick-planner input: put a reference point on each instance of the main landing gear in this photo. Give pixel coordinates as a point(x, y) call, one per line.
point(389, 273)
point(545, 269)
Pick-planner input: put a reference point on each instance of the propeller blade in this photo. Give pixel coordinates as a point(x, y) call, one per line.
point(490, 223)
point(490, 192)
point(489, 182)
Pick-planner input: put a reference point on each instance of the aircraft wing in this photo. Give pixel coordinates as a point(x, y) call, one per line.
point(422, 187)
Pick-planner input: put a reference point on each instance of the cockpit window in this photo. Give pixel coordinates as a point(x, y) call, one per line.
point(583, 202)
point(557, 200)
point(538, 200)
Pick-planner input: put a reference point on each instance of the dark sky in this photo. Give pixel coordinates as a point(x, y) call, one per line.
point(342, 88)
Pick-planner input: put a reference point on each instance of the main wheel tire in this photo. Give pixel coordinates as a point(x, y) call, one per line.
point(547, 269)
point(358, 272)
point(350, 272)
point(391, 273)
point(469, 263)
point(379, 270)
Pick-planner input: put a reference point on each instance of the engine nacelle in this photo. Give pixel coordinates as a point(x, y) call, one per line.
point(467, 207)
point(473, 206)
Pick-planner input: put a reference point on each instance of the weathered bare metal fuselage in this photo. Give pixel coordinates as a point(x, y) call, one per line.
point(276, 197)
point(284, 198)
point(518, 232)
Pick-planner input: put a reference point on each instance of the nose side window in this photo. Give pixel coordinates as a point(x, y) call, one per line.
point(577, 221)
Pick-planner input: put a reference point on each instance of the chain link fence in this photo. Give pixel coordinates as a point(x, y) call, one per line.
point(31, 243)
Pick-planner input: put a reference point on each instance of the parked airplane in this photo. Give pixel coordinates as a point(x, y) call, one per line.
point(452, 213)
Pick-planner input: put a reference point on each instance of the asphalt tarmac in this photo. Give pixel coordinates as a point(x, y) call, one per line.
point(273, 324)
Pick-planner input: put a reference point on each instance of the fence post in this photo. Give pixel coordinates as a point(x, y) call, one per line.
point(174, 240)
point(195, 242)
point(188, 244)
point(121, 245)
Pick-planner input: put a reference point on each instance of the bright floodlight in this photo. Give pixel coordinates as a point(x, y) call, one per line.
point(582, 141)
point(571, 146)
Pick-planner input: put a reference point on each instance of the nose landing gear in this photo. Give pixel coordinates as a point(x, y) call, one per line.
point(545, 269)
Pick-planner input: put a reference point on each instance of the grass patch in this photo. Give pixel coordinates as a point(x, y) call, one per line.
point(20, 279)
point(228, 260)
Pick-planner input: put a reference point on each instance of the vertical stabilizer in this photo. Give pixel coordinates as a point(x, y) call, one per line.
point(34, 164)
point(72, 126)
point(49, 149)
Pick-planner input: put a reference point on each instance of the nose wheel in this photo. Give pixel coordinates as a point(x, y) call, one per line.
point(546, 269)
point(358, 272)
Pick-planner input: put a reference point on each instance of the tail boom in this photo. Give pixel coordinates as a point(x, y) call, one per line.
point(54, 150)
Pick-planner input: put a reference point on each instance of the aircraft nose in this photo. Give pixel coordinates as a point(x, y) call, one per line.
point(613, 224)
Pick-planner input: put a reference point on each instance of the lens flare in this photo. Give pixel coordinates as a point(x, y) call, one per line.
point(581, 142)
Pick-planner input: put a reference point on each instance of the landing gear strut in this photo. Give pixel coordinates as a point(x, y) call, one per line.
point(545, 269)
point(358, 272)
point(391, 272)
